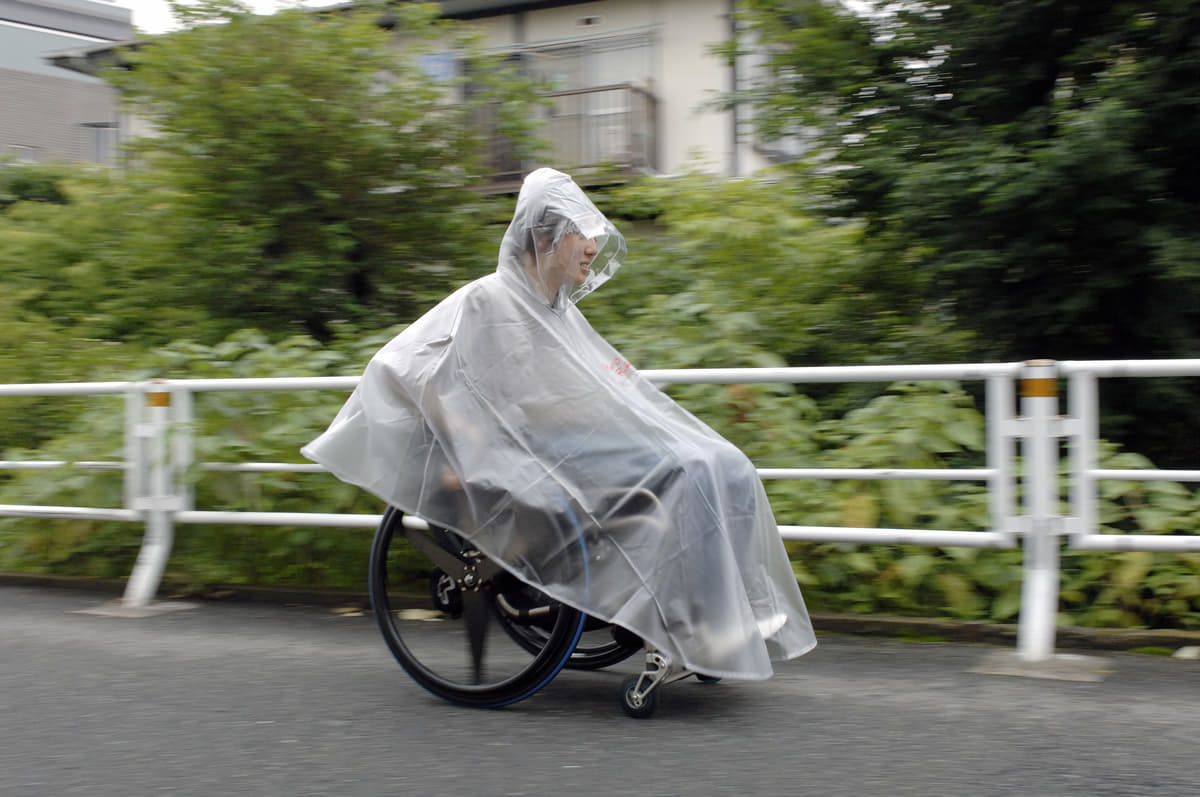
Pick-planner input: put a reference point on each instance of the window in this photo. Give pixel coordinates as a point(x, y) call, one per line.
point(601, 108)
point(100, 145)
point(596, 62)
point(25, 154)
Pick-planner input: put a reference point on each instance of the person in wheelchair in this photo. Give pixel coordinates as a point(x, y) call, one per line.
point(503, 416)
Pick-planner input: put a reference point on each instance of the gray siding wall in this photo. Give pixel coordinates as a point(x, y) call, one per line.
point(48, 115)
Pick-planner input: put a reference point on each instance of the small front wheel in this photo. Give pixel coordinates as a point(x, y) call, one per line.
point(638, 707)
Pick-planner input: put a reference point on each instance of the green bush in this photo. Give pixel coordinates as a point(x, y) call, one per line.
point(253, 426)
point(926, 425)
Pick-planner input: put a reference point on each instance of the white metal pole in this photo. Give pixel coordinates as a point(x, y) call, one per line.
point(156, 503)
point(1039, 590)
point(1084, 400)
point(182, 445)
point(134, 456)
point(998, 412)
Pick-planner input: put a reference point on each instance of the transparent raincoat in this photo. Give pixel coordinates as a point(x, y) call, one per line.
point(503, 415)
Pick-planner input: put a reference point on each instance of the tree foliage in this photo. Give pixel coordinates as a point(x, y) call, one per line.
point(757, 261)
point(306, 169)
point(52, 307)
point(1034, 160)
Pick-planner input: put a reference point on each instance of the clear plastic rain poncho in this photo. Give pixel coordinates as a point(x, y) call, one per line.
point(503, 415)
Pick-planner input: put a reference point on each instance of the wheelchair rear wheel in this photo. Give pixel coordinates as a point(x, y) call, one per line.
point(434, 600)
point(601, 645)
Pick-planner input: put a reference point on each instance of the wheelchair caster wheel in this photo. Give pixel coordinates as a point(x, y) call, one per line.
point(707, 679)
point(638, 707)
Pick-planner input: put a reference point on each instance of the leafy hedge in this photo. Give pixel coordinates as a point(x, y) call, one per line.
point(925, 425)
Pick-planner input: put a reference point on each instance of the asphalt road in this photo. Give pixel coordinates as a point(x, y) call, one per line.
point(249, 698)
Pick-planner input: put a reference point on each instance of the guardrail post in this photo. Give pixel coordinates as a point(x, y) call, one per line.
point(1039, 590)
point(1000, 408)
point(1084, 497)
point(157, 500)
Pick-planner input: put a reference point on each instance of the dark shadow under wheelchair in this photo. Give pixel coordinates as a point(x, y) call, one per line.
point(437, 600)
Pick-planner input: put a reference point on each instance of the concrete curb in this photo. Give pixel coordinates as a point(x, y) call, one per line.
point(1066, 637)
point(917, 629)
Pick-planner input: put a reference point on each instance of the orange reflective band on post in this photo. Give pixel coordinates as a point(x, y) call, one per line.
point(158, 399)
point(1040, 387)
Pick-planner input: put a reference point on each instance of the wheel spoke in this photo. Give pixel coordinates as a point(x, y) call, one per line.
point(426, 542)
point(475, 614)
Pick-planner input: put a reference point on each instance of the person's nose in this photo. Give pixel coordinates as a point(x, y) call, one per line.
point(589, 247)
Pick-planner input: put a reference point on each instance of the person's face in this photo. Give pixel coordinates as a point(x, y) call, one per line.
point(573, 258)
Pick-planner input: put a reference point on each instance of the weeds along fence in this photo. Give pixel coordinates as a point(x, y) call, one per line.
point(1024, 502)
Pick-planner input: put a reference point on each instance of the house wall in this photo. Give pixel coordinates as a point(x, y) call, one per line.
point(678, 69)
point(682, 73)
point(48, 113)
point(48, 119)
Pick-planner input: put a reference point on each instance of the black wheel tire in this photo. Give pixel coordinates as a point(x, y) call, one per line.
point(606, 654)
point(637, 711)
point(548, 661)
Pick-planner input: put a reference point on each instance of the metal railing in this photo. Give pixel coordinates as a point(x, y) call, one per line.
point(600, 128)
point(158, 449)
point(1082, 429)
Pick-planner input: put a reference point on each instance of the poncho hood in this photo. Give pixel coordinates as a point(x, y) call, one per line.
point(559, 245)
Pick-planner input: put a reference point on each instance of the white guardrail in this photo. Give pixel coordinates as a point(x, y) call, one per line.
point(158, 448)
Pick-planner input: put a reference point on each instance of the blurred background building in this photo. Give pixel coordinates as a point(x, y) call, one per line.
point(48, 113)
point(632, 84)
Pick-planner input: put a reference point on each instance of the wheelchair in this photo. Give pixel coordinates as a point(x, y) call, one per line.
point(437, 601)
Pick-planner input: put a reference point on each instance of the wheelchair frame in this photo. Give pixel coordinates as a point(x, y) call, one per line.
point(465, 585)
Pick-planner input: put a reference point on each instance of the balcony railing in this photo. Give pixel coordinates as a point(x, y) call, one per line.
point(607, 129)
